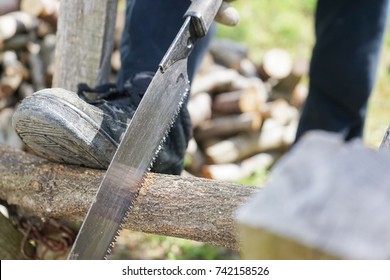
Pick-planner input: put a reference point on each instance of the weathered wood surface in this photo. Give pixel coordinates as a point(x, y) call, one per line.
point(190, 207)
point(326, 196)
point(85, 39)
point(10, 240)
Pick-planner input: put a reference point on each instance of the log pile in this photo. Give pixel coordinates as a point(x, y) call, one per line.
point(244, 115)
point(27, 45)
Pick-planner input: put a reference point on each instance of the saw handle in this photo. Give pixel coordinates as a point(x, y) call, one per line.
point(202, 13)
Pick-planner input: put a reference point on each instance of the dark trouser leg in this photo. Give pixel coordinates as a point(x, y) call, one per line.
point(150, 27)
point(343, 67)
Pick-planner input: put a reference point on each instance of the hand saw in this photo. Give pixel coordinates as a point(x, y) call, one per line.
point(143, 138)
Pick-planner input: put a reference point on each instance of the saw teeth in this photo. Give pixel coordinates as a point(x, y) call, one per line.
point(124, 218)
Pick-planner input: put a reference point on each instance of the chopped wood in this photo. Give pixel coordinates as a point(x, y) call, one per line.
point(224, 126)
point(280, 110)
point(286, 86)
point(45, 9)
point(199, 108)
point(299, 95)
point(15, 23)
point(185, 207)
point(47, 54)
point(219, 79)
point(233, 172)
point(195, 158)
point(272, 136)
point(12, 76)
point(239, 101)
point(233, 55)
point(36, 65)
point(16, 42)
point(276, 64)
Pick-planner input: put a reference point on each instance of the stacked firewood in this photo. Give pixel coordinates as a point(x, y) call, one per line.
point(27, 44)
point(244, 115)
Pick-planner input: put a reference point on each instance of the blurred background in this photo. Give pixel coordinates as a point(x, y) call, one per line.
point(245, 100)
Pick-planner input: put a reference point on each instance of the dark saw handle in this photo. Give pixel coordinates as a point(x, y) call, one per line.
point(202, 13)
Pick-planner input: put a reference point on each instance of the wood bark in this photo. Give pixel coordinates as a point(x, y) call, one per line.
point(45, 9)
point(186, 207)
point(240, 101)
point(277, 64)
point(228, 125)
point(85, 39)
point(15, 23)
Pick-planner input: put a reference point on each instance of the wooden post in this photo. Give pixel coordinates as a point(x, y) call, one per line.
point(10, 240)
point(325, 199)
point(85, 39)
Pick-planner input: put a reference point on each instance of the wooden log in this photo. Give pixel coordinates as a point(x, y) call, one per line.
point(228, 52)
point(13, 73)
point(207, 65)
point(44, 9)
point(47, 54)
point(15, 43)
point(219, 79)
point(279, 110)
point(36, 66)
point(195, 158)
point(276, 64)
point(224, 126)
point(239, 101)
point(272, 136)
point(199, 108)
point(190, 207)
point(233, 172)
point(299, 95)
point(83, 56)
point(233, 55)
point(15, 23)
point(285, 87)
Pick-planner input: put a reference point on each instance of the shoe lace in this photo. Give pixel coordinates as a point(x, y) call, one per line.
point(133, 90)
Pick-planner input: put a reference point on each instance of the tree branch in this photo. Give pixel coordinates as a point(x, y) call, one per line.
point(186, 207)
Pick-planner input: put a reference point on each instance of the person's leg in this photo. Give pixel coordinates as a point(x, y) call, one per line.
point(349, 35)
point(150, 27)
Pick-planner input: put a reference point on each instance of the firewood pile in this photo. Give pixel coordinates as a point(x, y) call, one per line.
point(27, 44)
point(244, 115)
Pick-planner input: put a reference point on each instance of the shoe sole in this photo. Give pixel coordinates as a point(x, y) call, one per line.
point(57, 130)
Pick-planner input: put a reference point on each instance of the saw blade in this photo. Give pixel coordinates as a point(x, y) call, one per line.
point(133, 159)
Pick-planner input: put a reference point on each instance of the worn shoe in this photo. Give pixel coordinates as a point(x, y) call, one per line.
point(86, 128)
